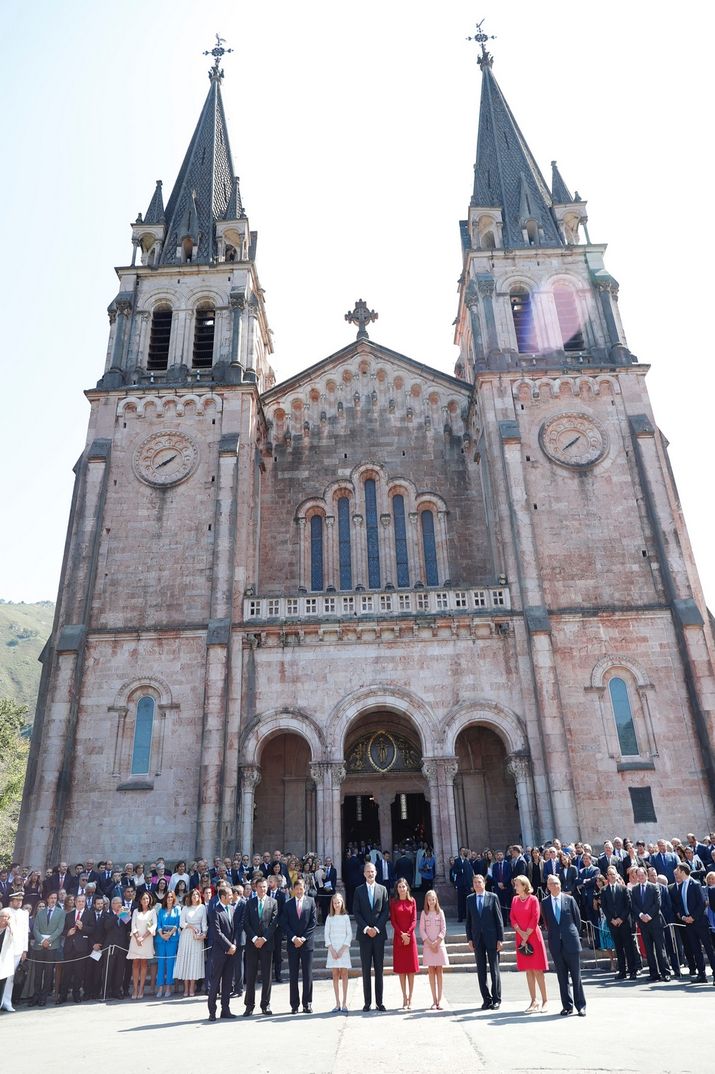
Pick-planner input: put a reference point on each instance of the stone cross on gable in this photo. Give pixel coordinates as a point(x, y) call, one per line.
point(361, 316)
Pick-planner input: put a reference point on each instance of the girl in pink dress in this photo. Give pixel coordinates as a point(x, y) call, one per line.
point(433, 929)
point(524, 915)
point(403, 917)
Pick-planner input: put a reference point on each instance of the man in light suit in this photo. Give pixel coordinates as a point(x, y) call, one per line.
point(223, 950)
point(371, 910)
point(485, 935)
point(260, 923)
point(47, 933)
point(563, 921)
point(298, 923)
point(647, 911)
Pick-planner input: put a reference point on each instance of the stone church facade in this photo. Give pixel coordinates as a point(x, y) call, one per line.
point(374, 600)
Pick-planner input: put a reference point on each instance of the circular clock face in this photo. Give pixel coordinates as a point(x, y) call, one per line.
point(573, 440)
point(165, 458)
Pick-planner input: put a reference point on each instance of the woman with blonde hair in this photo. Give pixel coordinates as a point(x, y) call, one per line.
point(433, 929)
point(338, 937)
point(530, 947)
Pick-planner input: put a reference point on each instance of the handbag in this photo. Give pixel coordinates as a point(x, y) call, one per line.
point(525, 948)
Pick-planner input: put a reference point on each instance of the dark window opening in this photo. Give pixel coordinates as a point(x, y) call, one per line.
point(372, 534)
point(398, 514)
point(346, 574)
point(316, 553)
point(430, 548)
point(642, 803)
point(204, 338)
point(569, 320)
point(159, 339)
point(522, 312)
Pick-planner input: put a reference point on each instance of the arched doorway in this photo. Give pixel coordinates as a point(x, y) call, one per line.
point(284, 810)
point(385, 792)
point(485, 792)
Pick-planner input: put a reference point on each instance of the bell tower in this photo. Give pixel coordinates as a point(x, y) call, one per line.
point(162, 537)
point(584, 512)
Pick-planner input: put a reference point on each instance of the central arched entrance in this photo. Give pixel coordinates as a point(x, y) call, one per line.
point(385, 799)
point(485, 792)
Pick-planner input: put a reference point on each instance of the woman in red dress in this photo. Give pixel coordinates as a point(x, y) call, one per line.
point(524, 915)
point(403, 918)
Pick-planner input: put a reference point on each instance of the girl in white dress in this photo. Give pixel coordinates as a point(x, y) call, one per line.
point(141, 943)
point(190, 959)
point(338, 937)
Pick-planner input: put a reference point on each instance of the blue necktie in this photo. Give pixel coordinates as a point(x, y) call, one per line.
point(480, 903)
point(369, 895)
point(557, 910)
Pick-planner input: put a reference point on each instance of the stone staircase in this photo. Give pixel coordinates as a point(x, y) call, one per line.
point(461, 959)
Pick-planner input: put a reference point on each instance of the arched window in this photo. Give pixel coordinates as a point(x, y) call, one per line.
point(346, 573)
point(569, 320)
point(429, 548)
point(316, 552)
point(398, 515)
point(532, 232)
point(624, 717)
point(204, 337)
point(372, 534)
point(187, 249)
point(522, 311)
point(158, 358)
point(141, 750)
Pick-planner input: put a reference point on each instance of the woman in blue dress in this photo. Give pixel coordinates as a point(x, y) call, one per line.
point(167, 943)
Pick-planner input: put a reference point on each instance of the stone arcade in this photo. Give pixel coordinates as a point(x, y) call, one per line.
point(374, 600)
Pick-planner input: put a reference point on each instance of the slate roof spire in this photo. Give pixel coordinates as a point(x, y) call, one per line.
point(155, 212)
point(559, 191)
point(506, 175)
point(205, 182)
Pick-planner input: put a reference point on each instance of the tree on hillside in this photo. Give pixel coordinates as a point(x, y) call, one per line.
point(14, 748)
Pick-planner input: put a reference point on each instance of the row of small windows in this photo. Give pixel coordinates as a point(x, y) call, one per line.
point(523, 316)
point(160, 337)
point(375, 570)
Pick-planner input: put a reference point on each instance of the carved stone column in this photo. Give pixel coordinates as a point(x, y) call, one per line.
point(415, 554)
point(518, 765)
point(250, 778)
point(386, 551)
point(237, 302)
point(333, 835)
point(302, 554)
point(472, 300)
point(485, 285)
point(359, 554)
point(329, 562)
point(440, 773)
point(442, 557)
point(320, 776)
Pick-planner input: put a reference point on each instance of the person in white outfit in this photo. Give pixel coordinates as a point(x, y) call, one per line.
point(338, 937)
point(7, 959)
point(20, 929)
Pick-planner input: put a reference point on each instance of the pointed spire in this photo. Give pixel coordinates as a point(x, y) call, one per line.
point(234, 210)
point(506, 176)
point(204, 185)
point(155, 212)
point(559, 191)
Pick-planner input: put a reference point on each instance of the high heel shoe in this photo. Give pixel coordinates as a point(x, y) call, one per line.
point(544, 1005)
point(532, 1008)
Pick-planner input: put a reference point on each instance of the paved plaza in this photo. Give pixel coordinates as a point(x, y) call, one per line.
point(634, 1026)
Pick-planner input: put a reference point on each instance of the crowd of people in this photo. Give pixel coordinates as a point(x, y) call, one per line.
point(95, 930)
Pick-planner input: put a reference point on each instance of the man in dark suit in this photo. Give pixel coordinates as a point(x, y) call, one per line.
point(405, 866)
point(608, 858)
point(115, 934)
point(280, 894)
point(550, 865)
point(463, 876)
point(689, 906)
point(60, 879)
point(222, 924)
point(485, 935)
point(563, 922)
point(104, 881)
point(260, 923)
point(501, 880)
point(386, 871)
point(239, 937)
point(616, 905)
point(94, 925)
point(665, 861)
point(672, 937)
point(371, 910)
point(76, 948)
point(352, 875)
point(645, 899)
point(298, 924)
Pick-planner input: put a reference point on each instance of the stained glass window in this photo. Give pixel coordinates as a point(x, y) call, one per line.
point(398, 514)
point(623, 717)
point(430, 548)
point(141, 753)
point(346, 574)
point(316, 552)
point(372, 535)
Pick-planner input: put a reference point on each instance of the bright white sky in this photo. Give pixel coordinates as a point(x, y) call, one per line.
point(353, 128)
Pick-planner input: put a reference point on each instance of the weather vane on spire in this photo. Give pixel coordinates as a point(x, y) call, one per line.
point(218, 51)
point(481, 38)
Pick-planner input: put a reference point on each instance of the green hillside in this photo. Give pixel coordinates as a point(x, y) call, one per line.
point(24, 629)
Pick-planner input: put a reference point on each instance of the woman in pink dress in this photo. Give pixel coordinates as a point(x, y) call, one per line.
point(403, 918)
point(524, 915)
point(433, 929)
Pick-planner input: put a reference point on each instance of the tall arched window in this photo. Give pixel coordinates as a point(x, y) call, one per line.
point(143, 728)
point(569, 320)
point(522, 311)
point(623, 716)
point(372, 534)
point(158, 358)
point(398, 515)
point(204, 337)
point(429, 548)
point(346, 573)
point(316, 552)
